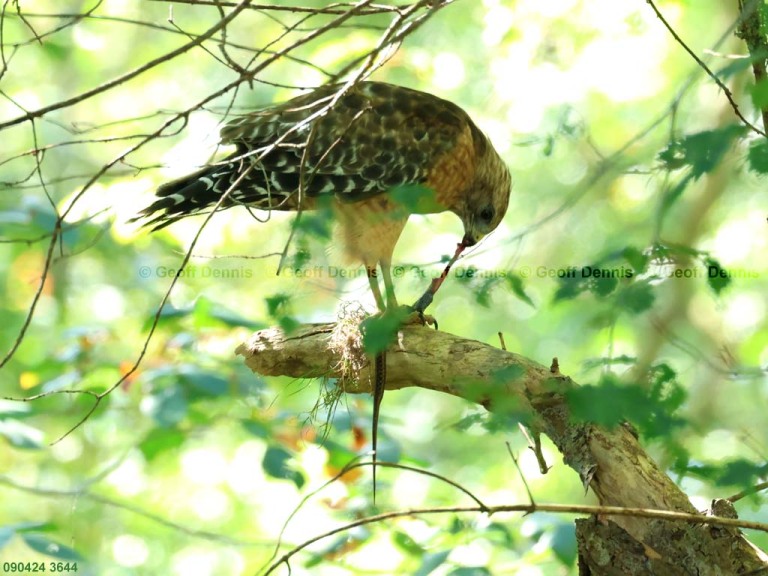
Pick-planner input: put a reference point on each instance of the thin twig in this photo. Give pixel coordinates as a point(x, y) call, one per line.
point(352, 465)
point(129, 75)
point(748, 492)
point(531, 501)
point(601, 511)
point(700, 62)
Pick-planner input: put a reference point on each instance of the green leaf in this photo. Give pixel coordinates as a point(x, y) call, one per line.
point(229, 318)
point(741, 473)
point(256, 428)
point(470, 571)
point(674, 194)
point(6, 535)
point(380, 331)
point(99, 378)
point(665, 387)
point(66, 380)
point(467, 422)
point(569, 287)
point(702, 151)
point(56, 51)
point(34, 527)
point(407, 544)
point(549, 146)
point(518, 289)
point(563, 543)
point(758, 156)
point(21, 435)
point(278, 307)
point(277, 463)
point(416, 199)
point(636, 258)
point(430, 562)
point(759, 93)
point(507, 374)
point(168, 315)
point(601, 285)
point(387, 450)
point(16, 410)
point(204, 383)
point(499, 533)
point(636, 297)
point(483, 292)
point(609, 403)
point(200, 312)
point(717, 277)
point(48, 547)
point(340, 456)
point(507, 410)
point(458, 526)
point(170, 406)
point(300, 259)
point(288, 324)
point(317, 224)
point(159, 441)
point(736, 66)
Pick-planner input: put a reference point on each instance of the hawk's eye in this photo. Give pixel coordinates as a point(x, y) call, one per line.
point(486, 214)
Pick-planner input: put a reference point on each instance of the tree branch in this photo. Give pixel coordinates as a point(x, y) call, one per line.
point(752, 30)
point(610, 462)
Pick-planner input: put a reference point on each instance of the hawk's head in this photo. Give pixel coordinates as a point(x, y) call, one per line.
point(487, 199)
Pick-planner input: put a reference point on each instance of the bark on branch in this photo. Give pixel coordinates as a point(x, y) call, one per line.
point(610, 462)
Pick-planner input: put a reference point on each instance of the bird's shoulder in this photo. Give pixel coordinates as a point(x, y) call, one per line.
point(386, 113)
point(359, 141)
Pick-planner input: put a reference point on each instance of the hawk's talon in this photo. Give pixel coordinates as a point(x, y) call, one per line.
point(407, 315)
point(416, 316)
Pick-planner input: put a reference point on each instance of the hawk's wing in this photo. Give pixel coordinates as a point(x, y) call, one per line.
point(375, 137)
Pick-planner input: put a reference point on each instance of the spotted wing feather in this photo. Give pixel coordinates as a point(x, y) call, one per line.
point(375, 137)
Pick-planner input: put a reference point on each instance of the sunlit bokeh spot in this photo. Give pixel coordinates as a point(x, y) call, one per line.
point(130, 551)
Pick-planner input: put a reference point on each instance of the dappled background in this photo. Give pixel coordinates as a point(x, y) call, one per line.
point(148, 448)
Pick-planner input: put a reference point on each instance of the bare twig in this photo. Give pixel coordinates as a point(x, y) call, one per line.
point(700, 62)
point(534, 445)
point(601, 511)
point(352, 465)
point(748, 492)
point(333, 9)
point(129, 75)
point(522, 476)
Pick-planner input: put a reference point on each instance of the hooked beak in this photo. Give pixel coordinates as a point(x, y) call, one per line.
point(469, 240)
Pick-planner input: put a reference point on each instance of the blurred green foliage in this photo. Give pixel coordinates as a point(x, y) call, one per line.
point(633, 250)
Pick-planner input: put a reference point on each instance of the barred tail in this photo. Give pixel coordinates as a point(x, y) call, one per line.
point(191, 194)
point(202, 190)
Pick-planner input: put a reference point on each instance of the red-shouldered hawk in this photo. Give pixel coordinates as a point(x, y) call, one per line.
point(373, 149)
